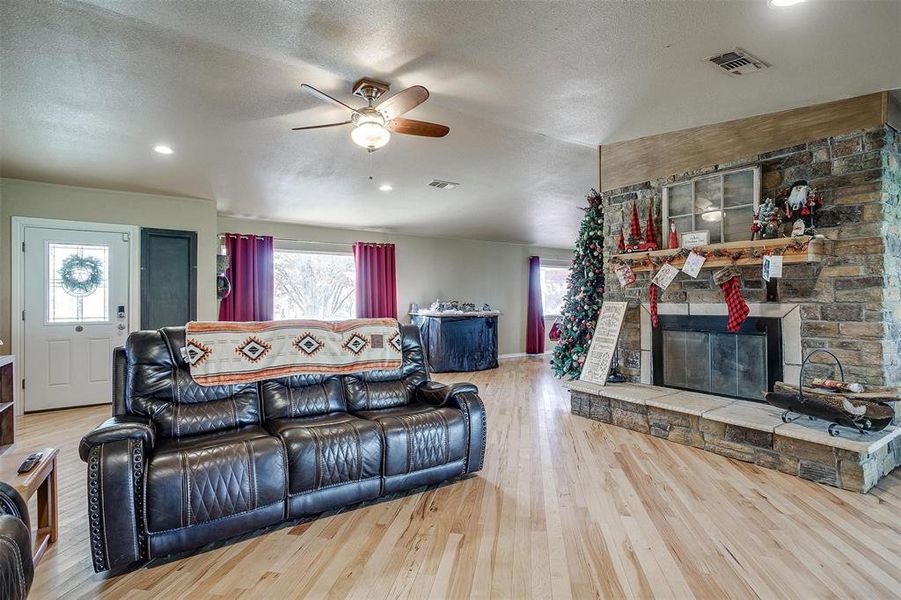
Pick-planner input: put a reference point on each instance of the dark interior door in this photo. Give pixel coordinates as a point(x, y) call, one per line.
point(168, 277)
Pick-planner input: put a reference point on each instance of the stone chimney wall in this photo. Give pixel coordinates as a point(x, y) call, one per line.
point(891, 235)
point(849, 301)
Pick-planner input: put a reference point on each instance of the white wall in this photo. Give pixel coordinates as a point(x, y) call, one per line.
point(427, 268)
point(430, 268)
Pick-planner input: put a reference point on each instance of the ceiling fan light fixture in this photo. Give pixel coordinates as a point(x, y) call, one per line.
point(370, 135)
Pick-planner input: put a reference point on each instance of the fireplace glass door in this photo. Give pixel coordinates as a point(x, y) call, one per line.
point(698, 354)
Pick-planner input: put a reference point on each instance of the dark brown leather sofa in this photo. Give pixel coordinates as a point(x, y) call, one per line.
point(181, 465)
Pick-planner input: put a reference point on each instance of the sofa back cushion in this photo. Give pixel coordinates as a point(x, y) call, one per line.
point(373, 390)
point(302, 396)
point(159, 386)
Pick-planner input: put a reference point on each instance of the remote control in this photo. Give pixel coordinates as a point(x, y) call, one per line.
point(30, 462)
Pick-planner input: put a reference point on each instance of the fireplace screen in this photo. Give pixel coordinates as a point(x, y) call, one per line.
point(696, 353)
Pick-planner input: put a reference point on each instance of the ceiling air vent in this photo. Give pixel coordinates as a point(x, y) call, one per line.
point(738, 62)
point(443, 185)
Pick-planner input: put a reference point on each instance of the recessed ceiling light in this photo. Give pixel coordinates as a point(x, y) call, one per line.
point(783, 3)
point(163, 149)
point(385, 187)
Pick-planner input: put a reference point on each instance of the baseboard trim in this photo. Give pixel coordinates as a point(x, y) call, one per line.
point(522, 355)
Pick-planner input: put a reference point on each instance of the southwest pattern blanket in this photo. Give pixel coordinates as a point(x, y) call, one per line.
point(223, 352)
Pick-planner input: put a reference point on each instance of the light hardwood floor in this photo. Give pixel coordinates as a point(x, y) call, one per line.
point(565, 507)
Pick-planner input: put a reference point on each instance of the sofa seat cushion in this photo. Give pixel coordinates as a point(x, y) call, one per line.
point(419, 436)
point(329, 450)
point(203, 478)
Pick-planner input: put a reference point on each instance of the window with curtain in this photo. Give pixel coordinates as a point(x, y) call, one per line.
point(553, 288)
point(314, 285)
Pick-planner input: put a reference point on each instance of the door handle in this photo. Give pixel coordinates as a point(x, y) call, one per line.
point(79, 328)
point(121, 326)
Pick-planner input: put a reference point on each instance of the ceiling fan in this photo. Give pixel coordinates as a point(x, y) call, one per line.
point(374, 124)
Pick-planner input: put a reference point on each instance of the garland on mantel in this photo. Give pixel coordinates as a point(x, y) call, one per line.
point(734, 254)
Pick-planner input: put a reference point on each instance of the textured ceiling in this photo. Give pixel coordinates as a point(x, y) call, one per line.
point(528, 89)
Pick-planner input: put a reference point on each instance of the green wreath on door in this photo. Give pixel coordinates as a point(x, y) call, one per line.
point(81, 275)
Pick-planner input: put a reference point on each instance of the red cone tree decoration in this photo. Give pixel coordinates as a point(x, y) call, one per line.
point(650, 235)
point(635, 226)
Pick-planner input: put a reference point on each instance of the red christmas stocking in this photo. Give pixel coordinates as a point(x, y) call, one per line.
point(652, 302)
point(727, 279)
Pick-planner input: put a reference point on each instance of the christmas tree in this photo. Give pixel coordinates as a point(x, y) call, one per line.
point(585, 293)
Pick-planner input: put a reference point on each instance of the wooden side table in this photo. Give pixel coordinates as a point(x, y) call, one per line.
point(41, 480)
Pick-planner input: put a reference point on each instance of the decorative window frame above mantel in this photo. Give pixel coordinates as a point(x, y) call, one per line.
point(720, 177)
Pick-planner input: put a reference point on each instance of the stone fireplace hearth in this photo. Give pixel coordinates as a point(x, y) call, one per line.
point(747, 431)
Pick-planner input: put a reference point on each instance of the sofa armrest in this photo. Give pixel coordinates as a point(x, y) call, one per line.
point(12, 504)
point(438, 394)
point(464, 397)
point(16, 567)
point(116, 452)
point(118, 429)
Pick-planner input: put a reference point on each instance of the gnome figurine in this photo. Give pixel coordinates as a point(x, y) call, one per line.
point(673, 236)
point(800, 204)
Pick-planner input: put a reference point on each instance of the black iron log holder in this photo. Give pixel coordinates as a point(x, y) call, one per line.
point(840, 411)
point(787, 415)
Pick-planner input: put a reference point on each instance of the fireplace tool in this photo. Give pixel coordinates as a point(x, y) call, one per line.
point(614, 375)
point(853, 411)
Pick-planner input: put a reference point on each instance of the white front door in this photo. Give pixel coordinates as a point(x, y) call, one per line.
point(76, 312)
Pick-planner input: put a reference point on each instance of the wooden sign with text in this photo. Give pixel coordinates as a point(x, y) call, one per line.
point(603, 342)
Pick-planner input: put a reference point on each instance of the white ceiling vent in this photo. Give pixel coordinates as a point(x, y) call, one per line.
point(443, 185)
point(737, 62)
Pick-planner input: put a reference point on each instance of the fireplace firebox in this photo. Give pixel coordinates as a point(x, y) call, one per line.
point(697, 353)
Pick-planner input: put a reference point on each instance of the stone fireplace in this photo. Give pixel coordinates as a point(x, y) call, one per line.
point(847, 301)
point(690, 383)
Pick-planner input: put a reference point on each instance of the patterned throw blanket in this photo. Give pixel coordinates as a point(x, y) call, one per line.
point(222, 352)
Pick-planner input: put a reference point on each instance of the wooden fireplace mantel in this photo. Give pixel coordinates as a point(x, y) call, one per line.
point(813, 253)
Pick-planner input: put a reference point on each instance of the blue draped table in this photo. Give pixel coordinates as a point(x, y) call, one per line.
point(458, 342)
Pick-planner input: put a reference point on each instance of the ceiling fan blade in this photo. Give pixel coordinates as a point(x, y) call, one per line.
point(320, 126)
point(403, 101)
point(325, 97)
point(413, 127)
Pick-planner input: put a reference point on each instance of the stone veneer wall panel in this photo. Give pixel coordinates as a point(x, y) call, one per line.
point(891, 233)
point(846, 300)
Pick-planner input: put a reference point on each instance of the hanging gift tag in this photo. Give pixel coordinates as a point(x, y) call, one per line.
point(772, 267)
point(665, 276)
point(625, 274)
point(693, 264)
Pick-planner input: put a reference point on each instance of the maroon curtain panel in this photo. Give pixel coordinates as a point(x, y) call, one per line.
point(250, 273)
point(535, 316)
point(376, 285)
